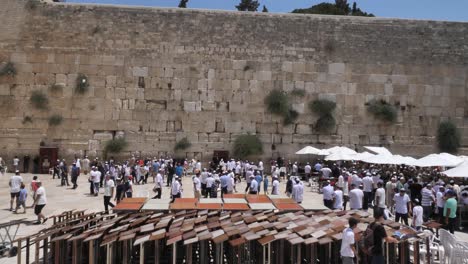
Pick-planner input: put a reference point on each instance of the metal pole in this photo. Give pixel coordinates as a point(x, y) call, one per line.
point(174, 251)
point(142, 253)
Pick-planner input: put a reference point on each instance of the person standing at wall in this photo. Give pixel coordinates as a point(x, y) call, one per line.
point(298, 191)
point(16, 162)
point(197, 186)
point(158, 185)
point(275, 186)
point(327, 192)
point(75, 172)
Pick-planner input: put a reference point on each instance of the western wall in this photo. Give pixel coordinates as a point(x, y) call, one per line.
point(159, 75)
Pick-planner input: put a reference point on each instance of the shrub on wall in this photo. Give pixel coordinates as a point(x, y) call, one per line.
point(182, 144)
point(8, 69)
point(82, 84)
point(247, 145)
point(324, 109)
point(55, 120)
point(298, 92)
point(290, 117)
point(448, 137)
point(277, 102)
point(382, 110)
point(115, 145)
point(39, 100)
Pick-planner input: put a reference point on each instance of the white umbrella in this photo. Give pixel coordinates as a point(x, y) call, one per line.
point(379, 150)
point(308, 150)
point(436, 160)
point(459, 171)
point(404, 160)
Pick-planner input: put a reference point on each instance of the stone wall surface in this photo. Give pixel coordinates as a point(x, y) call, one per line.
point(159, 75)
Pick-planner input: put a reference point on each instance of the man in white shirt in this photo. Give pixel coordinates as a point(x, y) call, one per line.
point(158, 184)
point(15, 187)
point(328, 191)
point(367, 188)
point(417, 215)
point(197, 186)
point(16, 163)
point(402, 206)
point(307, 170)
point(355, 198)
point(40, 202)
point(348, 250)
point(380, 197)
point(338, 198)
point(176, 189)
point(109, 187)
point(96, 180)
point(298, 191)
point(209, 184)
point(253, 188)
point(326, 171)
point(260, 167)
point(440, 202)
point(85, 165)
point(275, 186)
point(203, 178)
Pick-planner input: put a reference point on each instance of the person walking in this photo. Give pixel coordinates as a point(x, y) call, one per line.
point(158, 185)
point(355, 198)
point(390, 188)
point(253, 185)
point(209, 185)
point(298, 191)
point(40, 202)
point(109, 187)
point(23, 195)
point(175, 189)
point(197, 186)
point(327, 192)
point(402, 206)
point(418, 213)
point(380, 197)
point(338, 198)
point(450, 211)
point(15, 187)
point(348, 250)
point(75, 172)
point(34, 188)
point(440, 203)
point(265, 184)
point(275, 186)
point(367, 183)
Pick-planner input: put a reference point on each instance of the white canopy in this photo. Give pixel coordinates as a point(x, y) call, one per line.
point(459, 171)
point(379, 150)
point(363, 155)
point(347, 157)
point(341, 150)
point(404, 160)
point(308, 150)
point(382, 159)
point(436, 160)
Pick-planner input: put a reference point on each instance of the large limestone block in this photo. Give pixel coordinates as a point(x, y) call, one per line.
point(336, 68)
point(192, 106)
point(267, 128)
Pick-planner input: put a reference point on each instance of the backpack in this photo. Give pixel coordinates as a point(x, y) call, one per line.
point(366, 244)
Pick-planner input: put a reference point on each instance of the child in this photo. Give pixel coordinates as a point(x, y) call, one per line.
point(34, 189)
point(22, 198)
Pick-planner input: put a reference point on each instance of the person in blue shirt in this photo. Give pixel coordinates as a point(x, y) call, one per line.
point(259, 180)
point(23, 195)
point(224, 183)
point(179, 170)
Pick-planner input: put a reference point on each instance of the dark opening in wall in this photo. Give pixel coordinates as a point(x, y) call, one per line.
point(141, 82)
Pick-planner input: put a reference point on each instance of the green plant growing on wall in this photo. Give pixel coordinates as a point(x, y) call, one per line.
point(27, 119)
point(277, 102)
point(82, 84)
point(115, 145)
point(182, 144)
point(298, 92)
point(382, 110)
point(290, 117)
point(324, 109)
point(448, 137)
point(247, 145)
point(39, 100)
point(8, 70)
point(55, 120)
point(32, 4)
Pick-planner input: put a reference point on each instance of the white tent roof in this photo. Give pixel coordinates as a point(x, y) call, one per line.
point(379, 150)
point(341, 150)
point(363, 155)
point(381, 159)
point(459, 171)
point(346, 157)
point(404, 160)
point(308, 150)
point(435, 160)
